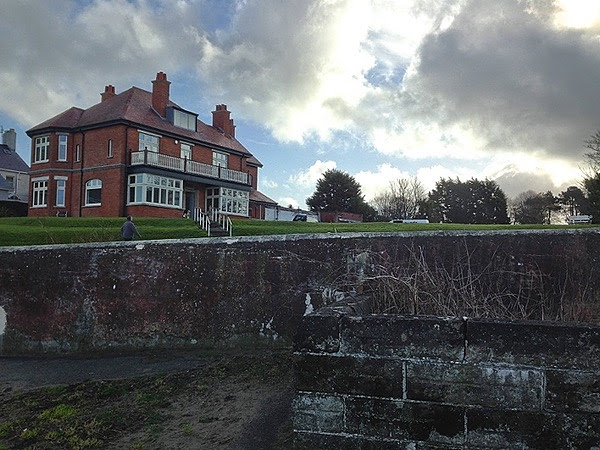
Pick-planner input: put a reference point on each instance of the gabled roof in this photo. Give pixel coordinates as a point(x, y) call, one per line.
point(135, 106)
point(10, 160)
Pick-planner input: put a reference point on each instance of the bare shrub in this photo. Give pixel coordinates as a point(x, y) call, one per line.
point(498, 288)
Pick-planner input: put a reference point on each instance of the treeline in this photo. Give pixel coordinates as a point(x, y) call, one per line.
point(471, 202)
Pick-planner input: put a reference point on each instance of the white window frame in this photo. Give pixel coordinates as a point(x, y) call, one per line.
point(39, 192)
point(41, 149)
point(12, 180)
point(61, 191)
point(147, 142)
point(220, 159)
point(184, 119)
point(186, 152)
point(109, 150)
point(92, 185)
point(63, 145)
point(77, 153)
point(154, 190)
point(230, 201)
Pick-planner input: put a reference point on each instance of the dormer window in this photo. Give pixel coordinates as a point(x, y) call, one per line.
point(182, 119)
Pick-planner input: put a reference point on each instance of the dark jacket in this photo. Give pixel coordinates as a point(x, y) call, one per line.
point(128, 230)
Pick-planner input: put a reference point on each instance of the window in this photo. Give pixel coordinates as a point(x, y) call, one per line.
point(220, 159)
point(109, 149)
point(62, 147)
point(148, 142)
point(39, 192)
point(93, 192)
point(185, 120)
point(11, 180)
point(61, 185)
point(78, 153)
point(155, 190)
point(186, 151)
point(230, 201)
point(41, 149)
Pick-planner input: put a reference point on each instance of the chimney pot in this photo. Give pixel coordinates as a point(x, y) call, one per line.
point(109, 92)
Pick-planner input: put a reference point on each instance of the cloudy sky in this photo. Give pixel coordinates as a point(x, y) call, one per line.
point(503, 89)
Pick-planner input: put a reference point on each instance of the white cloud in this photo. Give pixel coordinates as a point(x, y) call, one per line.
point(373, 183)
point(289, 201)
point(309, 177)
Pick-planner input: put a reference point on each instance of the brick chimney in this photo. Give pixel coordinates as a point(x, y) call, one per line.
point(222, 121)
point(109, 92)
point(9, 138)
point(160, 93)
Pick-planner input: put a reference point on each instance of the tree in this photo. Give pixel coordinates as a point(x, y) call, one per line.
point(592, 158)
point(592, 187)
point(573, 200)
point(474, 201)
point(339, 192)
point(535, 207)
point(591, 181)
point(402, 200)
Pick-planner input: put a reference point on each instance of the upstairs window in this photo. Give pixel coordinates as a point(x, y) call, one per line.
point(11, 179)
point(220, 159)
point(186, 151)
point(184, 119)
point(78, 153)
point(109, 151)
point(93, 192)
point(41, 149)
point(62, 147)
point(148, 142)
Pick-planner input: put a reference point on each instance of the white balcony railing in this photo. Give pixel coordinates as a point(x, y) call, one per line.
point(184, 165)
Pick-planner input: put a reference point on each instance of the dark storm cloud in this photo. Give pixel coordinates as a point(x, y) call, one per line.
point(510, 75)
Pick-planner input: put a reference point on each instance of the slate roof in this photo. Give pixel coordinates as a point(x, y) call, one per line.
point(10, 160)
point(258, 196)
point(135, 106)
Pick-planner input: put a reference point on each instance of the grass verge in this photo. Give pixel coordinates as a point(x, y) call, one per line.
point(65, 230)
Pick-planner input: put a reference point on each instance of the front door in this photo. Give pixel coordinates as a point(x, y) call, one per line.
point(190, 201)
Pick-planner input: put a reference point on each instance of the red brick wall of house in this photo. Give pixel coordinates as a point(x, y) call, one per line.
point(152, 211)
point(253, 173)
point(95, 163)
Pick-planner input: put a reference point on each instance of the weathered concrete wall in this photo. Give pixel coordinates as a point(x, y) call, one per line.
point(90, 297)
point(387, 382)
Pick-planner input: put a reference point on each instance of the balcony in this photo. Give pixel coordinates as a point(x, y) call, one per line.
point(184, 165)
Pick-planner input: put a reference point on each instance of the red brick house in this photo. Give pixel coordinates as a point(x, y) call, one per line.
point(139, 153)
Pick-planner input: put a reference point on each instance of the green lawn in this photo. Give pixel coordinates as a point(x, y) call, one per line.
point(60, 230)
point(63, 230)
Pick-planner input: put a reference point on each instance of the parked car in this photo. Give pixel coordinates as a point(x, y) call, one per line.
point(304, 218)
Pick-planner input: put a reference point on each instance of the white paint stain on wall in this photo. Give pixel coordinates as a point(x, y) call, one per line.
point(2, 320)
point(309, 307)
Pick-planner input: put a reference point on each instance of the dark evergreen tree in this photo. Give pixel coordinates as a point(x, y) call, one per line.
point(574, 201)
point(474, 201)
point(337, 191)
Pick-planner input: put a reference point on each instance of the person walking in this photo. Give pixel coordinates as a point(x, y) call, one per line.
point(128, 230)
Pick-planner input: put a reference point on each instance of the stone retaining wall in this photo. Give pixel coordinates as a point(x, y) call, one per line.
point(223, 291)
point(387, 382)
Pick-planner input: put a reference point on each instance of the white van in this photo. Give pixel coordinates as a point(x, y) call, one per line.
point(585, 218)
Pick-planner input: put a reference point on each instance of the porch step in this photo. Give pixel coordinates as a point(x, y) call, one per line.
point(217, 230)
